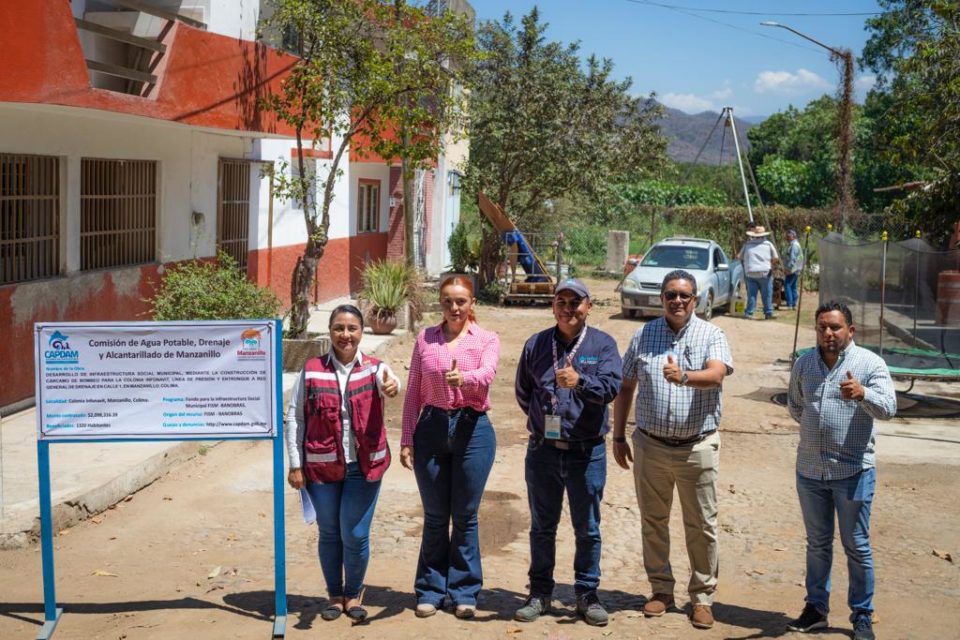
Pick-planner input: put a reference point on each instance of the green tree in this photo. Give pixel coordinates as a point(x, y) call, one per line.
point(546, 125)
point(366, 71)
point(784, 181)
point(799, 149)
point(914, 48)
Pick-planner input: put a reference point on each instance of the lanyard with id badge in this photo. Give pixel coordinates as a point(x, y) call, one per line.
point(551, 421)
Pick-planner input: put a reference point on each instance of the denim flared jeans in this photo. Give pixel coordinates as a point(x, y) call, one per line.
point(453, 454)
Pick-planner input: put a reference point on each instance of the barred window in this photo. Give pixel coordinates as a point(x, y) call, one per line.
point(118, 212)
point(368, 206)
point(233, 209)
point(29, 217)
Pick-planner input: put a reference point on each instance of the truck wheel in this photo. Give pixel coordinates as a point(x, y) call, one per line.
point(707, 312)
point(628, 313)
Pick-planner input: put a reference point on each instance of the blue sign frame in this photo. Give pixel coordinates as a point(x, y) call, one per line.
point(52, 613)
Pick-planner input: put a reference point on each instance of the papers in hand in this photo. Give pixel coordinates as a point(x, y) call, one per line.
point(306, 504)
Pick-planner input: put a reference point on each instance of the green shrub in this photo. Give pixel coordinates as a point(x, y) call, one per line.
point(464, 249)
point(210, 290)
point(388, 286)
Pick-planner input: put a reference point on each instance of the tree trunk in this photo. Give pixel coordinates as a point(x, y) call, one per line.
point(304, 275)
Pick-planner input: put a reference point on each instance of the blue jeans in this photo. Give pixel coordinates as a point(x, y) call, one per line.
point(344, 513)
point(582, 474)
point(790, 288)
point(453, 455)
point(851, 499)
point(765, 287)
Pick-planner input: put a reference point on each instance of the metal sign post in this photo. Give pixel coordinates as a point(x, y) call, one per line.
point(80, 398)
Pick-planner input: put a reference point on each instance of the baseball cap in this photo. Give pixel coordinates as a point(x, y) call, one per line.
point(575, 285)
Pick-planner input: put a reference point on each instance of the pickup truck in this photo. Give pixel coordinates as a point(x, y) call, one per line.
point(719, 279)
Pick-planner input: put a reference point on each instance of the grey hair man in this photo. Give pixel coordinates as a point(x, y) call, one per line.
point(676, 365)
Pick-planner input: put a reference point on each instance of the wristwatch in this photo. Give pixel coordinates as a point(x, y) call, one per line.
point(684, 379)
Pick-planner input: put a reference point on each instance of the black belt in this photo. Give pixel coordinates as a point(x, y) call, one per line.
point(573, 445)
point(452, 412)
point(676, 442)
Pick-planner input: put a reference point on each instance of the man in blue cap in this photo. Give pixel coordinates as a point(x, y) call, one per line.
point(566, 377)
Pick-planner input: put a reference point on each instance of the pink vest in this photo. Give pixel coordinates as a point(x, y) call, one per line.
point(323, 441)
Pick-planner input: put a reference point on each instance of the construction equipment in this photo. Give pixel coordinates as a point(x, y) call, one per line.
point(536, 284)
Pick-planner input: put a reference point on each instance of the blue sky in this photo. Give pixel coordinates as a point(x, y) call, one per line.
point(701, 61)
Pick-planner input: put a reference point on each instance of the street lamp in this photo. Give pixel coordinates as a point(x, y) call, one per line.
point(845, 200)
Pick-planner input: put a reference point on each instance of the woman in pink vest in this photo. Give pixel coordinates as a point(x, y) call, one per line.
point(337, 443)
point(449, 443)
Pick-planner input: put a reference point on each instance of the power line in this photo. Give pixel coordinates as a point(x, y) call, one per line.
point(691, 13)
point(753, 13)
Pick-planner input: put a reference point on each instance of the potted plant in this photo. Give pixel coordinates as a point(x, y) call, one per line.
point(387, 289)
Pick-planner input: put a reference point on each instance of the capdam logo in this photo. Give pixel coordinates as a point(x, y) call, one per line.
point(250, 339)
point(60, 351)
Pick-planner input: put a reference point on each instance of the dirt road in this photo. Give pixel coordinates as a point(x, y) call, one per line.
point(191, 555)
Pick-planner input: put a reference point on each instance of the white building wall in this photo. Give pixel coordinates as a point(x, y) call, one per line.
point(289, 227)
point(187, 158)
point(438, 253)
point(234, 18)
point(370, 171)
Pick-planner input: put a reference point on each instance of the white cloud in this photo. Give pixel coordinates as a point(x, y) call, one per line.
point(788, 83)
point(865, 83)
point(722, 94)
point(687, 102)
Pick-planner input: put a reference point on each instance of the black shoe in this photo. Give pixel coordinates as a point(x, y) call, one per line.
point(533, 608)
point(357, 613)
point(591, 610)
point(331, 612)
point(863, 626)
point(809, 620)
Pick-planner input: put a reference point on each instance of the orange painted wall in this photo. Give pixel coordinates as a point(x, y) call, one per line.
point(84, 297)
point(337, 275)
point(206, 79)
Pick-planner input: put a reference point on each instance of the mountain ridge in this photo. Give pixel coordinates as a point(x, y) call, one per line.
point(686, 133)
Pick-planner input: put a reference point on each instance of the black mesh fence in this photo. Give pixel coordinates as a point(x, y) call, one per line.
point(904, 296)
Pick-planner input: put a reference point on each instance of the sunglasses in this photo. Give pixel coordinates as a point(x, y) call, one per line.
point(673, 295)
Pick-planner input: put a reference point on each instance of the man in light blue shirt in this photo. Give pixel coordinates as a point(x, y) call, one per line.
point(836, 392)
point(792, 267)
point(676, 365)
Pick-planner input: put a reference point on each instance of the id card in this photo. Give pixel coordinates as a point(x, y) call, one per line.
point(551, 427)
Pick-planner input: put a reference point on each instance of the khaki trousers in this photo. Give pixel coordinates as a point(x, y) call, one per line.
point(692, 469)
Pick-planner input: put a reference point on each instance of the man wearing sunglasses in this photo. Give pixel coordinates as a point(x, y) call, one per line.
point(566, 377)
point(676, 364)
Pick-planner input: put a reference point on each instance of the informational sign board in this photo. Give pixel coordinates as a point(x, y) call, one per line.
point(134, 381)
point(155, 380)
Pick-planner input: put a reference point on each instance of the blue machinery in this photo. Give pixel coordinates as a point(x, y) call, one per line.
point(539, 283)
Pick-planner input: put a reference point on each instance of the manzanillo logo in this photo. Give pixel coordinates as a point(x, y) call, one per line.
point(60, 351)
point(250, 339)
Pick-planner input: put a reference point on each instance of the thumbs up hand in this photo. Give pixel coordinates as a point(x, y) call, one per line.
point(671, 371)
point(453, 377)
point(850, 388)
point(567, 376)
point(388, 385)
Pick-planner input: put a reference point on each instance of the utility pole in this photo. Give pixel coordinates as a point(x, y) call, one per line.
point(843, 57)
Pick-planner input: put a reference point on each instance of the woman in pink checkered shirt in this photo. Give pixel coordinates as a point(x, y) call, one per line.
point(449, 443)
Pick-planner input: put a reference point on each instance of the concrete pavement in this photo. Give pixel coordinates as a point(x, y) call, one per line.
point(88, 478)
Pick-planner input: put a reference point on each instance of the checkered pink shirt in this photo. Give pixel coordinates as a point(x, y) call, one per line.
point(477, 354)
